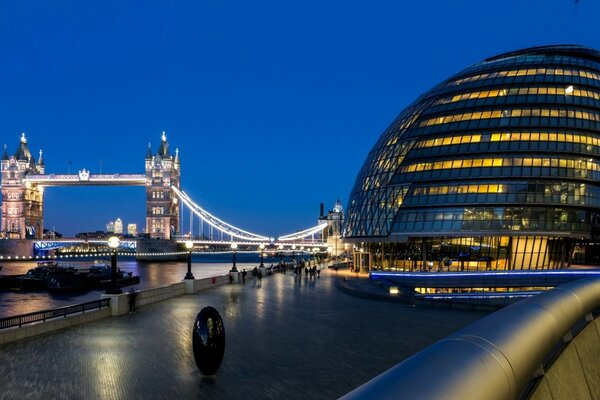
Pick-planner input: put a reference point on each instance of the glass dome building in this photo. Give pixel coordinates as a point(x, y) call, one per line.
point(497, 168)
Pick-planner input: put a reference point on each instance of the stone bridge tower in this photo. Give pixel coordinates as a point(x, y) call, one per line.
point(22, 203)
point(162, 206)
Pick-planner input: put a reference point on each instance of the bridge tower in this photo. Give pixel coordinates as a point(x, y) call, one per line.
point(163, 170)
point(22, 204)
point(333, 231)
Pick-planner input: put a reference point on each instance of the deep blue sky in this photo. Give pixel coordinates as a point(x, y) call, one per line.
point(273, 104)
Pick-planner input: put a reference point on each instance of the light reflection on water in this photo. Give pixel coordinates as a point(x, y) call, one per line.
point(151, 275)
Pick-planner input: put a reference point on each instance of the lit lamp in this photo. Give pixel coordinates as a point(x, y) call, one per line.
point(113, 243)
point(233, 249)
point(362, 253)
point(189, 245)
point(262, 248)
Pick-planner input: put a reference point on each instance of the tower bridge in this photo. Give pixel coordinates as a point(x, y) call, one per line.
point(24, 181)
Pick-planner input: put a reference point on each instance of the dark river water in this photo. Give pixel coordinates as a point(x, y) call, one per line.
point(151, 275)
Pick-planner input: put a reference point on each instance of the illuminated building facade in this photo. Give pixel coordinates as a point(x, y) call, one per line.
point(163, 170)
point(118, 227)
point(497, 168)
point(22, 205)
point(132, 229)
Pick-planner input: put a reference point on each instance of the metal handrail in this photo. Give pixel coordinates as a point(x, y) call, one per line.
point(494, 358)
point(37, 316)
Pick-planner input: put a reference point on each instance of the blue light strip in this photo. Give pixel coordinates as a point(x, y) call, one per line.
point(471, 296)
point(441, 275)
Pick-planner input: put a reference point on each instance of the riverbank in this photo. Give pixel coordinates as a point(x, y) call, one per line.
point(152, 275)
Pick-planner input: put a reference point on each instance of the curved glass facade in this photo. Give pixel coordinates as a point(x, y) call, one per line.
point(498, 167)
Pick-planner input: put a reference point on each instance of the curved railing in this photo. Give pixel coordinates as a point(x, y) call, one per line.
point(493, 358)
point(42, 316)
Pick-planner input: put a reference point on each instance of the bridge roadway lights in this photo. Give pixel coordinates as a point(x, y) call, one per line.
point(189, 245)
point(113, 243)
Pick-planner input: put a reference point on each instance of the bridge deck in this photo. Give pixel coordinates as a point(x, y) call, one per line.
point(87, 179)
point(287, 338)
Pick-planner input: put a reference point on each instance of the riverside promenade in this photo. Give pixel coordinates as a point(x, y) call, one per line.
point(287, 337)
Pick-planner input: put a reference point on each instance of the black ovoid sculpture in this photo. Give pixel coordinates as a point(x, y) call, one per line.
point(208, 339)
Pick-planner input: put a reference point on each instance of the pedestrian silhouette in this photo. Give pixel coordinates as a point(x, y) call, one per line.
point(131, 297)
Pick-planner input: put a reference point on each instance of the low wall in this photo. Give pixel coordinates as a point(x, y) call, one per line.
point(158, 250)
point(118, 306)
point(575, 374)
point(119, 303)
point(503, 355)
point(39, 328)
point(16, 247)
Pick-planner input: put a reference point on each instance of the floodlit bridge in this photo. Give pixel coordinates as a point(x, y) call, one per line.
point(24, 181)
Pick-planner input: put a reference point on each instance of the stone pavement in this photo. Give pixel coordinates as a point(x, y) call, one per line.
point(286, 338)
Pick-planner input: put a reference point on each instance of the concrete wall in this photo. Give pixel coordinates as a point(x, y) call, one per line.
point(158, 250)
point(12, 334)
point(16, 247)
point(120, 302)
point(118, 306)
point(576, 372)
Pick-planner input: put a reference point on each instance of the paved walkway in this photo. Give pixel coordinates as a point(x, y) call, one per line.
point(287, 338)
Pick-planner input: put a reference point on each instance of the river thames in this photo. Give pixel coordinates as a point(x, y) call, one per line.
point(152, 275)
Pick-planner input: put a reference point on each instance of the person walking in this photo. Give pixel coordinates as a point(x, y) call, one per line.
point(244, 276)
point(131, 297)
point(259, 275)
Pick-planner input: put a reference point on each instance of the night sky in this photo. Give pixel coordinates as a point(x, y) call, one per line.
point(274, 105)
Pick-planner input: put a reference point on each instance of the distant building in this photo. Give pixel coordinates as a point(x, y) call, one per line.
point(110, 227)
point(50, 234)
point(119, 226)
point(332, 233)
point(132, 229)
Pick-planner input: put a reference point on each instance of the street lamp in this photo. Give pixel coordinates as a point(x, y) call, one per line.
point(234, 248)
point(281, 256)
point(113, 243)
point(262, 248)
point(362, 255)
point(189, 245)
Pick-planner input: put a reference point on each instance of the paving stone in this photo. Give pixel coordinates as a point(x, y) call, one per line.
point(285, 338)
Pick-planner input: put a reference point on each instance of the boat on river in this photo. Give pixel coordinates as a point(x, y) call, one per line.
point(34, 279)
point(97, 272)
point(66, 278)
point(49, 275)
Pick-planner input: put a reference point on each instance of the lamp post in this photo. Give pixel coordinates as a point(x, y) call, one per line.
point(113, 243)
point(234, 248)
point(189, 245)
point(336, 251)
point(362, 254)
point(281, 256)
point(262, 249)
